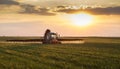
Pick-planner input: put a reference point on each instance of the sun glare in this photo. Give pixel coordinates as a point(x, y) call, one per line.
point(82, 19)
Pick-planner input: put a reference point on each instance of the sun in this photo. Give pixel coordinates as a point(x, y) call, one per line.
point(82, 19)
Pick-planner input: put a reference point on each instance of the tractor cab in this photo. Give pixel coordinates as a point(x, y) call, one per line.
point(53, 36)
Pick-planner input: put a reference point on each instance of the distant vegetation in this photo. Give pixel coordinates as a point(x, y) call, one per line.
point(86, 39)
point(96, 53)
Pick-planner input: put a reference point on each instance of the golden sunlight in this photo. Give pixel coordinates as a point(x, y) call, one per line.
point(82, 19)
point(32, 0)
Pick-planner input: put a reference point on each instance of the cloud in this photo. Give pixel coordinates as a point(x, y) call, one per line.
point(7, 6)
point(45, 11)
point(95, 11)
point(8, 2)
point(69, 11)
point(61, 7)
point(10, 9)
point(104, 11)
point(31, 9)
point(27, 8)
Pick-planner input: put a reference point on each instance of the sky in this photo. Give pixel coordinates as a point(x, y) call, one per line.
point(33, 17)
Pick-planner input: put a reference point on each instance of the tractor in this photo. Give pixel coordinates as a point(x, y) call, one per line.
point(50, 38)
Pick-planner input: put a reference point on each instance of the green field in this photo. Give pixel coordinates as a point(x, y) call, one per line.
point(95, 53)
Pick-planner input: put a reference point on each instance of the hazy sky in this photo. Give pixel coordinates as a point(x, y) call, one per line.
point(33, 17)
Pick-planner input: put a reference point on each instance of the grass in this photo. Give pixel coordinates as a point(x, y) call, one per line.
point(94, 54)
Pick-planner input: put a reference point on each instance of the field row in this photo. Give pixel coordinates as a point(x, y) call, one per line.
point(60, 56)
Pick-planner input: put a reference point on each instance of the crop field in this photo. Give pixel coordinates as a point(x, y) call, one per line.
point(95, 53)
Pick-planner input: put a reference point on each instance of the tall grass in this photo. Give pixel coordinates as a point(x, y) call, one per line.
point(60, 56)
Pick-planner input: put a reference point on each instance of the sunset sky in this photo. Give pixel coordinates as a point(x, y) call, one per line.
point(66, 17)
